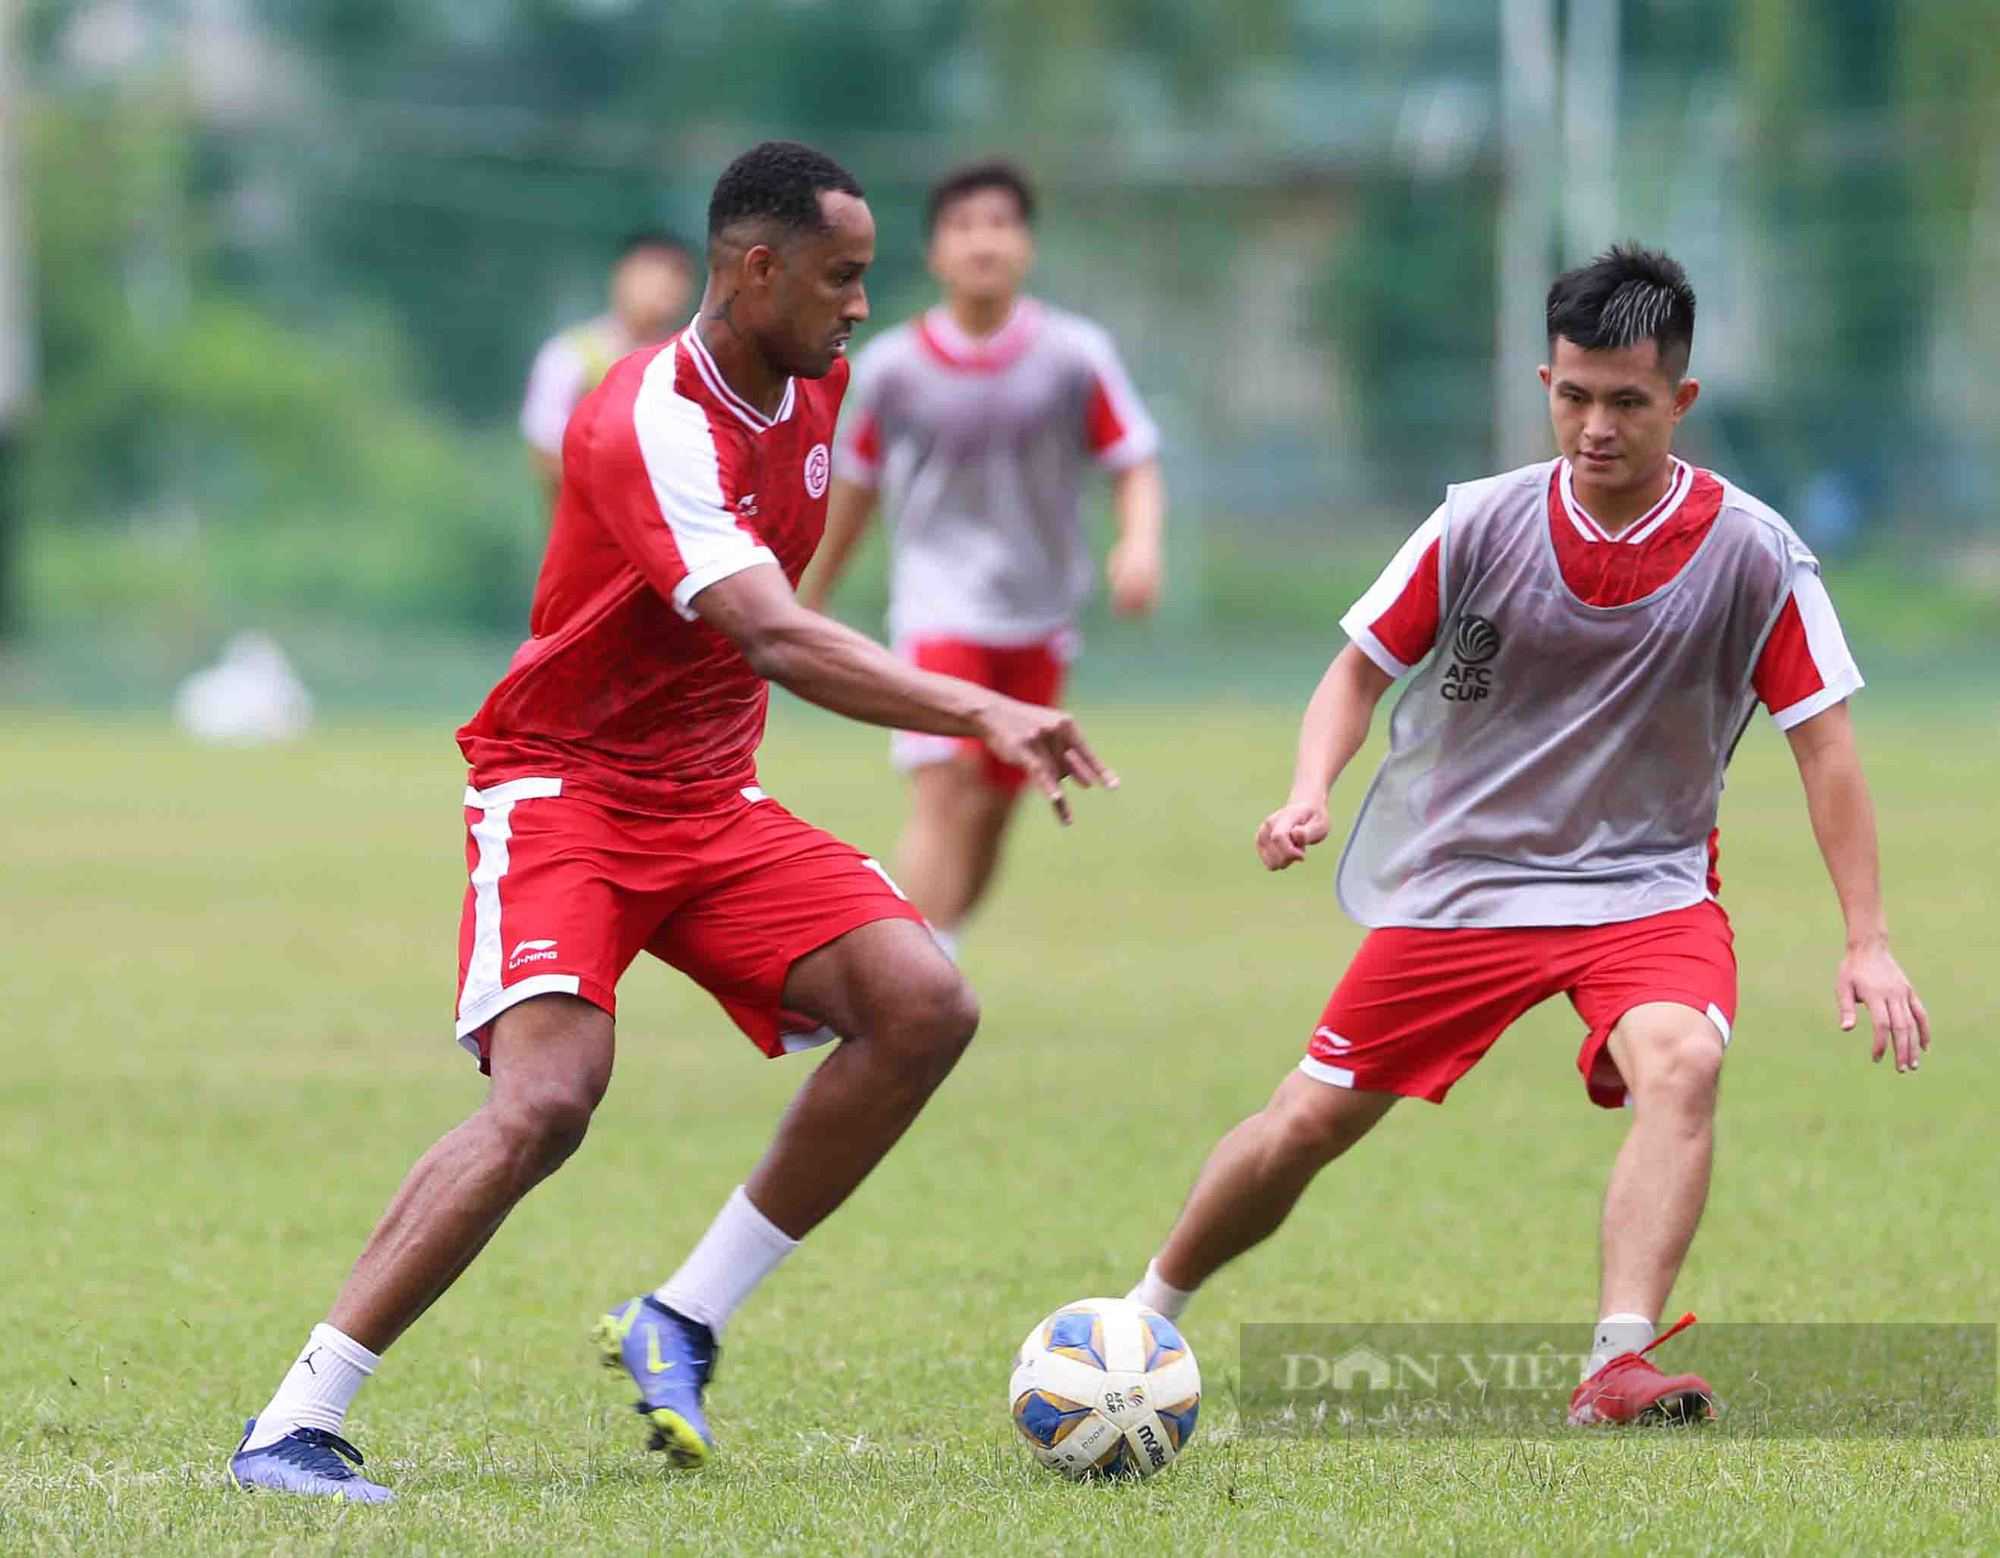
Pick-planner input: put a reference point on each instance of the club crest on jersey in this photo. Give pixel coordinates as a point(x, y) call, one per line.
point(816, 470)
point(1469, 679)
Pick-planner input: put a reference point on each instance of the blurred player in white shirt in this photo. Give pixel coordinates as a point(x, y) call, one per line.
point(652, 289)
point(976, 425)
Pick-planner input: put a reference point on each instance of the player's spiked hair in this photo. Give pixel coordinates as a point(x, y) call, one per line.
point(777, 183)
point(1626, 295)
point(970, 177)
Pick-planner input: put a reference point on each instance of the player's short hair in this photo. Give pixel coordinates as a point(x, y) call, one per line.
point(971, 177)
point(648, 240)
point(1626, 295)
point(777, 184)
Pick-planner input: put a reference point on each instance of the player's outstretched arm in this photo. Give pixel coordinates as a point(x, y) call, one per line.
point(839, 669)
point(1136, 568)
point(1843, 820)
point(849, 508)
point(1335, 725)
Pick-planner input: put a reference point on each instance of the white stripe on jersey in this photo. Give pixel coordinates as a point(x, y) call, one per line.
point(679, 451)
point(1359, 623)
point(1586, 525)
point(1840, 677)
point(711, 375)
point(1677, 492)
point(1141, 439)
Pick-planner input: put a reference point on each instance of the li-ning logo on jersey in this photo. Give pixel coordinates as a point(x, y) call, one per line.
point(1469, 679)
point(816, 470)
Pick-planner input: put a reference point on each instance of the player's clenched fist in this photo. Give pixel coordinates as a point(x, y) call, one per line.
point(1047, 744)
point(1289, 832)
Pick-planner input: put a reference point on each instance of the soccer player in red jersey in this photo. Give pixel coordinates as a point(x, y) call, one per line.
point(977, 425)
point(1595, 631)
point(614, 808)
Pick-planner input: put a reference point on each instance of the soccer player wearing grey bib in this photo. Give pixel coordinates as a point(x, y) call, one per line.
point(977, 424)
point(1594, 634)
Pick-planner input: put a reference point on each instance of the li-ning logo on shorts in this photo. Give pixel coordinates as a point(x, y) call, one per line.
point(816, 469)
point(532, 952)
point(1469, 679)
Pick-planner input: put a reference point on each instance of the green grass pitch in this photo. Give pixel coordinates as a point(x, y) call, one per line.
point(227, 990)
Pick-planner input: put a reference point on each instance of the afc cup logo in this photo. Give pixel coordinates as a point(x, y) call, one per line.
point(1476, 640)
point(816, 470)
point(1468, 679)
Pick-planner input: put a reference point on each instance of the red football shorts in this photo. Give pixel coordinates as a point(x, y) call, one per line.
point(1032, 673)
point(566, 891)
point(1418, 1008)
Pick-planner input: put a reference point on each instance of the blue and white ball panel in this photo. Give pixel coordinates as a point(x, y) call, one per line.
point(1164, 1341)
point(1059, 1375)
point(1178, 1419)
point(1110, 1332)
point(1105, 1387)
point(1047, 1418)
point(1078, 1334)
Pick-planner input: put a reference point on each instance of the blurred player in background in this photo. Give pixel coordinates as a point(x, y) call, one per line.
point(652, 285)
point(613, 808)
point(975, 425)
point(1599, 630)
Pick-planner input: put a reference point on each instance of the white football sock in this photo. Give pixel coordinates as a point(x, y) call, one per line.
point(1155, 1292)
point(1615, 1334)
point(316, 1390)
point(741, 1248)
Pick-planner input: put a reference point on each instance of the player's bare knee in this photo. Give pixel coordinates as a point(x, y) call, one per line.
point(1314, 1122)
point(543, 1116)
point(1680, 1068)
point(551, 1059)
point(944, 1014)
point(931, 1021)
point(543, 1127)
point(1304, 1128)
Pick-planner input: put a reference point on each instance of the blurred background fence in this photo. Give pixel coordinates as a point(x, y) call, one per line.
point(271, 272)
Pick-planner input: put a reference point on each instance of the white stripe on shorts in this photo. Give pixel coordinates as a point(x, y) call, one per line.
point(485, 994)
point(1714, 1015)
point(1320, 1071)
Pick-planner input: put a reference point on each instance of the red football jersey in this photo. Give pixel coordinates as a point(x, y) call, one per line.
point(671, 481)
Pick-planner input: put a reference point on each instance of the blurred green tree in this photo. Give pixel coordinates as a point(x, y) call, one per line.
point(300, 464)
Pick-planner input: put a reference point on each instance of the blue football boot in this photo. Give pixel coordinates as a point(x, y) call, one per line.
point(307, 1460)
point(671, 1359)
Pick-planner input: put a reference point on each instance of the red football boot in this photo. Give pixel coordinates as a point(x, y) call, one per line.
point(1628, 1389)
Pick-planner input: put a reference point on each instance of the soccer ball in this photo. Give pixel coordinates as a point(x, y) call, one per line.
point(1105, 1387)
